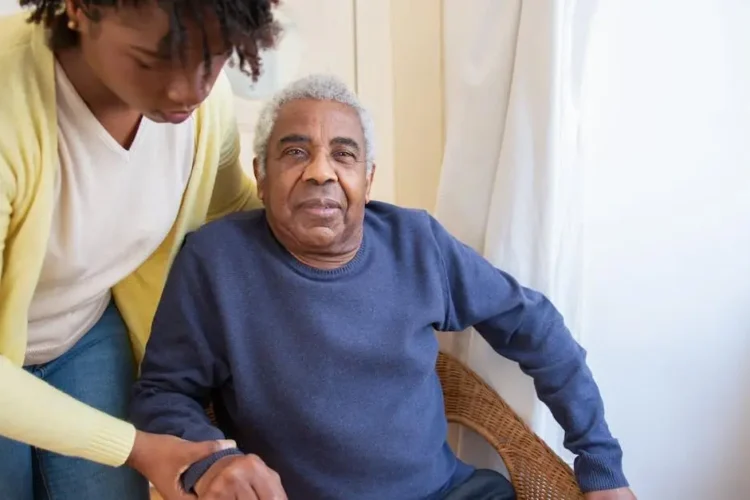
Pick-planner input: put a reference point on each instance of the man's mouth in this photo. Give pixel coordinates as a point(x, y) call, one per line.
point(321, 207)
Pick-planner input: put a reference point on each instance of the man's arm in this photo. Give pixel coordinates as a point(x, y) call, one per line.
point(183, 363)
point(524, 326)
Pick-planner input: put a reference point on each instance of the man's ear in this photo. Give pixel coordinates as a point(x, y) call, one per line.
point(260, 179)
point(370, 178)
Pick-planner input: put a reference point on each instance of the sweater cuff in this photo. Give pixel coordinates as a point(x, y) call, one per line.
point(193, 474)
point(112, 443)
point(599, 473)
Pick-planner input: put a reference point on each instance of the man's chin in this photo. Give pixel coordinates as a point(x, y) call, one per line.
point(318, 237)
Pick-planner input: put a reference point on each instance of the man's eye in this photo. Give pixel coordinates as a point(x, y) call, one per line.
point(345, 157)
point(292, 154)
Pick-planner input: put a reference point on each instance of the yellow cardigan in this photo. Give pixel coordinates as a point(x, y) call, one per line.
point(31, 411)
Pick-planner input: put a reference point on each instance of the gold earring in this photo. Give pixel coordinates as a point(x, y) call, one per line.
point(72, 25)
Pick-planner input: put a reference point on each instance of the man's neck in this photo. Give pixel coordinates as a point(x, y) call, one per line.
point(325, 262)
point(331, 257)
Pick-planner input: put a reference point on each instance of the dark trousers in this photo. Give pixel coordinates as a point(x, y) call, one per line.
point(484, 484)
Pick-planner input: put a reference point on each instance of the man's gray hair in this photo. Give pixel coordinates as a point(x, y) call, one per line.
point(320, 88)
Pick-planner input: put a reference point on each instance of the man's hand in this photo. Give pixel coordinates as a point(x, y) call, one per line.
point(618, 494)
point(162, 459)
point(244, 477)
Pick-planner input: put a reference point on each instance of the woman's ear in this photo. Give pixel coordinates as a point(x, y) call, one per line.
point(73, 12)
point(78, 20)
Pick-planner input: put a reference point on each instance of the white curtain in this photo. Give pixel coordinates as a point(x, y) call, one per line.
point(512, 179)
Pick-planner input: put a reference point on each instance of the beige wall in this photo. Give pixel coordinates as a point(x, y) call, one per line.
point(399, 68)
point(418, 127)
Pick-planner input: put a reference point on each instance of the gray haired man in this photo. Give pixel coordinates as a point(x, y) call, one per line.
point(310, 326)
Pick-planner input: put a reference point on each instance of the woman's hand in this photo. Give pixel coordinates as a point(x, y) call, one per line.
point(162, 459)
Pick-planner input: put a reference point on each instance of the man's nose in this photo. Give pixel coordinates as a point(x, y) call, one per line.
point(188, 90)
point(319, 170)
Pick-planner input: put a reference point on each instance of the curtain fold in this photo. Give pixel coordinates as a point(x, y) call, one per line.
point(512, 182)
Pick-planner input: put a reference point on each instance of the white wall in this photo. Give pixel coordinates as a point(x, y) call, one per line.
point(667, 320)
point(8, 7)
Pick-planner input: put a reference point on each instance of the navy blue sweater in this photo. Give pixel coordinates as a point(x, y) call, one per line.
point(329, 376)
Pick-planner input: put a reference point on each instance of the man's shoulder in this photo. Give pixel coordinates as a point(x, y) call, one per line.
point(383, 214)
point(225, 232)
point(413, 231)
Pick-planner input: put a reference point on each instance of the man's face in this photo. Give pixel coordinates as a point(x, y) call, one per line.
point(316, 185)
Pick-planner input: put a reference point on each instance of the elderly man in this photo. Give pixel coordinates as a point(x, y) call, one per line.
point(310, 326)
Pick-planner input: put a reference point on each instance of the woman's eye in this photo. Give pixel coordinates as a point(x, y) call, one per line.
point(144, 65)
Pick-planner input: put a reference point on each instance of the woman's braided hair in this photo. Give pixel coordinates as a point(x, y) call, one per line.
point(248, 26)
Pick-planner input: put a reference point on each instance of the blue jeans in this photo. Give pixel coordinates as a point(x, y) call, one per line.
point(99, 371)
point(484, 484)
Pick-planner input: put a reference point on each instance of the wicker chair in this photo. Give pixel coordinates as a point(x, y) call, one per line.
point(535, 470)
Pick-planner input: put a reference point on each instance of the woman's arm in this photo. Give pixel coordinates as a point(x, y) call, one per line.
point(234, 189)
point(36, 413)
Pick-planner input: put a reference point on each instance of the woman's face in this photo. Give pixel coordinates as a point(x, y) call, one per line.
point(131, 51)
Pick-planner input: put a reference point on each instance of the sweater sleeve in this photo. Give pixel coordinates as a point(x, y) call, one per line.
point(522, 325)
point(35, 413)
point(234, 190)
point(183, 363)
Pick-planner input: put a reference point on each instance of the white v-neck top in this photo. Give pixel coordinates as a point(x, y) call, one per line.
point(113, 207)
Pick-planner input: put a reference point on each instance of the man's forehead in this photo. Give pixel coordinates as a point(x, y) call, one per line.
point(300, 115)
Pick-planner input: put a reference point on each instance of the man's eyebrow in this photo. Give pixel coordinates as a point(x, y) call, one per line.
point(346, 141)
point(294, 138)
point(342, 141)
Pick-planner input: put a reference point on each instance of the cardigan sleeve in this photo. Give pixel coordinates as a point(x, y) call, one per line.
point(234, 189)
point(32, 411)
point(37, 414)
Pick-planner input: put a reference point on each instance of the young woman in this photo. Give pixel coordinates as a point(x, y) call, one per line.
point(116, 138)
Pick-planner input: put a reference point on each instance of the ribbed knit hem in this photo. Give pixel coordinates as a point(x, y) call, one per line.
point(191, 476)
point(111, 444)
point(599, 473)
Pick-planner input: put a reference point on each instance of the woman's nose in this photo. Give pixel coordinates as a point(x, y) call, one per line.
point(188, 91)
